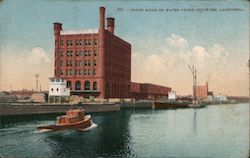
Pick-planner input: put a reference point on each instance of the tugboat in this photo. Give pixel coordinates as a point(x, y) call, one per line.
point(74, 119)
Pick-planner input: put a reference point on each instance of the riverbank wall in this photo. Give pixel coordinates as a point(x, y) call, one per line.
point(27, 109)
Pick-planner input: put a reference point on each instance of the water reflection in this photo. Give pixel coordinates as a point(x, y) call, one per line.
point(195, 121)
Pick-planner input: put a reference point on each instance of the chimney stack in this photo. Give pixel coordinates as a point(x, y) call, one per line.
point(102, 19)
point(101, 52)
point(111, 24)
point(57, 28)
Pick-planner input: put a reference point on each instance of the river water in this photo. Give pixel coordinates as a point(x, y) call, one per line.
point(215, 131)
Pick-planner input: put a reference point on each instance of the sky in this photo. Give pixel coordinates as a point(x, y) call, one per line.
point(163, 43)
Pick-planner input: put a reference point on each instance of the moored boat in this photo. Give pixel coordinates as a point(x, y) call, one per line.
point(74, 119)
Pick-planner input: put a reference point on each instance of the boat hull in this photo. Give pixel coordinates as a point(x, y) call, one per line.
point(79, 125)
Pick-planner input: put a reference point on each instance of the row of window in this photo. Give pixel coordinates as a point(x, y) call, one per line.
point(78, 85)
point(78, 72)
point(78, 42)
point(78, 53)
point(78, 63)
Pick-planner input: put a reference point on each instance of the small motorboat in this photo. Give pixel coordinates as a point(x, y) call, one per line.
point(74, 119)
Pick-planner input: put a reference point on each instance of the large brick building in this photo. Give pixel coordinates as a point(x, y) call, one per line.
point(94, 62)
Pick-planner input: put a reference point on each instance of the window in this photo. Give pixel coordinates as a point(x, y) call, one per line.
point(57, 89)
point(78, 53)
point(87, 42)
point(77, 42)
point(85, 72)
point(94, 62)
point(62, 64)
point(68, 42)
point(55, 42)
point(95, 53)
point(62, 54)
point(95, 86)
point(95, 41)
point(80, 63)
point(76, 72)
point(69, 53)
point(69, 85)
point(87, 63)
point(80, 72)
point(87, 53)
point(56, 53)
point(62, 72)
point(94, 71)
point(89, 73)
point(80, 42)
point(78, 85)
point(69, 63)
point(71, 42)
point(62, 42)
point(52, 89)
point(87, 85)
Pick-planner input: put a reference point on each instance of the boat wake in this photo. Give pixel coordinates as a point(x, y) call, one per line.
point(93, 125)
point(43, 130)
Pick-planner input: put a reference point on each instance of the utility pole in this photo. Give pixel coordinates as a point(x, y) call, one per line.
point(37, 82)
point(194, 73)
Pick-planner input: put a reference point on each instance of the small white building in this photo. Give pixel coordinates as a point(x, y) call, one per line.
point(172, 95)
point(221, 98)
point(58, 89)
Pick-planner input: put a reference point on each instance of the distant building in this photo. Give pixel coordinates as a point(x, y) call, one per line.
point(58, 89)
point(210, 96)
point(201, 91)
point(220, 98)
point(172, 95)
point(23, 93)
point(94, 62)
point(141, 91)
point(38, 97)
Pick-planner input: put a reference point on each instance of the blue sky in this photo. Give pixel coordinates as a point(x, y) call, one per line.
point(28, 24)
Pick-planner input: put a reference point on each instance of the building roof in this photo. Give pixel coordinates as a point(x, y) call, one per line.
point(81, 31)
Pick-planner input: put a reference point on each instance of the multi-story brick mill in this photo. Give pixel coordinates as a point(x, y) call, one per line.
point(94, 62)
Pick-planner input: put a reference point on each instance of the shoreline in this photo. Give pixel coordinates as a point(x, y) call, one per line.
point(9, 110)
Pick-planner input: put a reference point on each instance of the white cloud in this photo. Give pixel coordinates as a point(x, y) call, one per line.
point(199, 54)
point(176, 43)
point(21, 72)
point(38, 56)
point(170, 67)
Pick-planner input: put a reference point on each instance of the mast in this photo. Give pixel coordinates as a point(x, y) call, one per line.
point(194, 73)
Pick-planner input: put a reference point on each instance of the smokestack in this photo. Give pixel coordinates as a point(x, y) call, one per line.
point(102, 18)
point(101, 56)
point(57, 28)
point(111, 24)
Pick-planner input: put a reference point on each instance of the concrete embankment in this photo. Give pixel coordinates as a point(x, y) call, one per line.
point(136, 105)
point(21, 109)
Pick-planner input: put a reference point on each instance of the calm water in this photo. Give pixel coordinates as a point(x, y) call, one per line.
point(215, 131)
